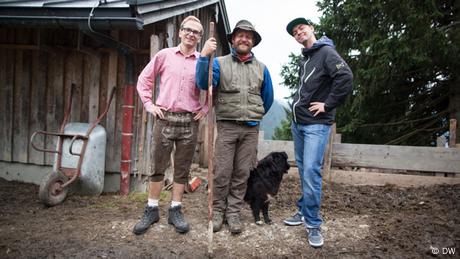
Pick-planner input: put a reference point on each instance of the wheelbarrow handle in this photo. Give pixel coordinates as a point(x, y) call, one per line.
point(106, 110)
point(38, 148)
point(112, 94)
point(82, 137)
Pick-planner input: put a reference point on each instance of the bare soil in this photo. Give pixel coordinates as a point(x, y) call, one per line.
point(360, 222)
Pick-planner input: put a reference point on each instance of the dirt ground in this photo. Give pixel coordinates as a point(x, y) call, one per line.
point(360, 222)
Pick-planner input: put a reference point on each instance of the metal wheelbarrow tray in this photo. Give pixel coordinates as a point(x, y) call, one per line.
point(79, 157)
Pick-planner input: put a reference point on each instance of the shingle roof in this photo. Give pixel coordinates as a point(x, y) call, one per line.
point(103, 14)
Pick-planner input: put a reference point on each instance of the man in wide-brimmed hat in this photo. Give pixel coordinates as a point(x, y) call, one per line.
point(325, 81)
point(244, 94)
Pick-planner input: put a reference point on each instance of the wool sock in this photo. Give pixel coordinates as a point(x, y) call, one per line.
point(152, 203)
point(175, 203)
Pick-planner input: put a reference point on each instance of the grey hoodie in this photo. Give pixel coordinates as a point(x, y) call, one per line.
point(324, 77)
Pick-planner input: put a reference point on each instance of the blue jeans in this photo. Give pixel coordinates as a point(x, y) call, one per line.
point(309, 144)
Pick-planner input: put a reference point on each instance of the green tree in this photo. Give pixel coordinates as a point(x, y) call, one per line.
point(290, 75)
point(283, 132)
point(404, 56)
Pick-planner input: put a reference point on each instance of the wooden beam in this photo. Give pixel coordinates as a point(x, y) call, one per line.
point(452, 133)
point(381, 179)
point(425, 159)
point(37, 102)
point(328, 154)
point(21, 106)
point(144, 139)
point(92, 69)
point(6, 104)
point(111, 164)
point(19, 46)
point(54, 100)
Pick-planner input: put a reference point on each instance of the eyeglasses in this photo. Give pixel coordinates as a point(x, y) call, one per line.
point(191, 31)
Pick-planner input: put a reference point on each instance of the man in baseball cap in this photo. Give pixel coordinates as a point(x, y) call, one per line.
point(325, 81)
point(296, 22)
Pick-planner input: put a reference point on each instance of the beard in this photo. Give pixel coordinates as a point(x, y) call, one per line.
point(243, 51)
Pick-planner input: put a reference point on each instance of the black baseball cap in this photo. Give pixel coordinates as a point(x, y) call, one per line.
point(295, 22)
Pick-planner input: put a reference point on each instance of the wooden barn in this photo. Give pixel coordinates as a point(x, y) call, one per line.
point(48, 45)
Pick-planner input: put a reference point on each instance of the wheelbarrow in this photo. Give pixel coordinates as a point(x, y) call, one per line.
point(79, 157)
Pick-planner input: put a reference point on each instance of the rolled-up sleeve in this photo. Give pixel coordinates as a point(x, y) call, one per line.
point(146, 81)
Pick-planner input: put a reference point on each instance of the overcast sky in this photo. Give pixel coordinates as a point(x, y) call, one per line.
point(270, 18)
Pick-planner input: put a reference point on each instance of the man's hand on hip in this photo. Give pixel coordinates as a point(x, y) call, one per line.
point(157, 111)
point(316, 108)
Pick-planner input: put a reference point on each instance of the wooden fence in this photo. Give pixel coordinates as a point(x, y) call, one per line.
point(388, 157)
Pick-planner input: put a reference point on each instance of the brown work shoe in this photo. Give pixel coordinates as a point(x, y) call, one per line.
point(234, 223)
point(217, 220)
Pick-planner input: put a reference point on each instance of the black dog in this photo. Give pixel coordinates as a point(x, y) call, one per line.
point(264, 183)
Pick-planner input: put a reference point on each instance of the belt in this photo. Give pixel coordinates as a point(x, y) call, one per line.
point(242, 123)
point(178, 118)
point(179, 114)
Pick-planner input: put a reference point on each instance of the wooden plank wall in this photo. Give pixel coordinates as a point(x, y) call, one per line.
point(35, 82)
point(38, 67)
point(6, 97)
point(168, 37)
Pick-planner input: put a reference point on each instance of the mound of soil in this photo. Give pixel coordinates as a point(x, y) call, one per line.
point(359, 221)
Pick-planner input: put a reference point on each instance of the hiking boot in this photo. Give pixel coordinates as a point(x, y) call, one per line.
point(234, 223)
point(217, 220)
point(315, 239)
point(151, 215)
point(176, 218)
point(295, 220)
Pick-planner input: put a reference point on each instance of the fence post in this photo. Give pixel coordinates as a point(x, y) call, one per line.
point(328, 155)
point(452, 133)
point(453, 139)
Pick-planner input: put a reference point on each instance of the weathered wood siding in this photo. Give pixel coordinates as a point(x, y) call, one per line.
point(37, 68)
point(172, 26)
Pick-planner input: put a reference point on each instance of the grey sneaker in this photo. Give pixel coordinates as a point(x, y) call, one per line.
point(151, 215)
point(234, 223)
point(295, 220)
point(176, 218)
point(217, 220)
point(315, 239)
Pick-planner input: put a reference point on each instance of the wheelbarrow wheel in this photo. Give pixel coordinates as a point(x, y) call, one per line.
point(51, 193)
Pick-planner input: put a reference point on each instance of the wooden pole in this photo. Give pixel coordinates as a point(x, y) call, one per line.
point(142, 162)
point(328, 155)
point(452, 133)
point(210, 145)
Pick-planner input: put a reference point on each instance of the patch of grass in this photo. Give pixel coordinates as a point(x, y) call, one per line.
point(165, 196)
point(141, 197)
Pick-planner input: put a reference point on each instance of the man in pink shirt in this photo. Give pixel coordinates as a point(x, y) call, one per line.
point(178, 111)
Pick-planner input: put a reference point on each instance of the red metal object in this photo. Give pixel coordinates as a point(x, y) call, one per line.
point(126, 138)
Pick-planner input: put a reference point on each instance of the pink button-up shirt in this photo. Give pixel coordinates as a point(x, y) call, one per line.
point(177, 90)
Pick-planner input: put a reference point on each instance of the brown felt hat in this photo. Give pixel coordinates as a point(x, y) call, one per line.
point(247, 26)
